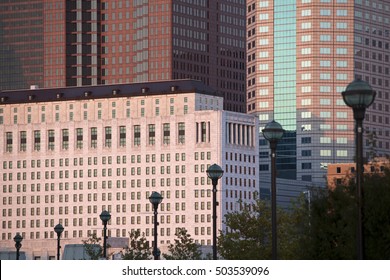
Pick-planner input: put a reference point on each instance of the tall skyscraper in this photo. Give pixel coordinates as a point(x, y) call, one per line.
point(301, 55)
point(93, 42)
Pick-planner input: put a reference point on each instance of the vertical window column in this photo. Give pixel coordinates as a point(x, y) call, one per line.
point(93, 137)
point(9, 142)
point(79, 138)
point(152, 134)
point(107, 136)
point(181, 133)
point(203, 124)
point(122, 136)
point(65, 139)
point(137, 135)
point(37, 140)
point(166, 133)
point(23, 141)
point(50, 140)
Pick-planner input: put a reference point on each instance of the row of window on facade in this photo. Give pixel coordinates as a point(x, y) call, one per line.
point(118, 233)
point(202, 135)
point(109, 160)
point(107, 141)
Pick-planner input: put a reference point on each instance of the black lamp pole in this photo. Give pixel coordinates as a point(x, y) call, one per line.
point(359, 96)
point(273, 132)
point(18, 244)
point(105, 216)
point(155, 199)
point(214, 172)
point(58, 229)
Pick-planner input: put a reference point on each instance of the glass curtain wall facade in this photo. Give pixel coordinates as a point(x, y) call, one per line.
point(285, 84)
point(300, 57)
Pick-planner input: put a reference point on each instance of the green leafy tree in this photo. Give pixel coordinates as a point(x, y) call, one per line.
point(184, 247)
point(331, 225)
point(376, 215)
point(92, 247)
point(249, 233)
point(333, 214)
point(138, 248)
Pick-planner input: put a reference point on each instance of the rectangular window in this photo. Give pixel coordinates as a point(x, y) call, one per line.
point(37, 140)
point(50, 140)
point(93, 137)
point(9, 142)
point(23, 141)
point(107, 136)
point(122, 136)
point(341, 115)
point(203, 131)
point(166, 133)
point(79, 138)
point(65, 139)
point(152, 134)
point(306, 165)
point(137, 135)
point(181, 133)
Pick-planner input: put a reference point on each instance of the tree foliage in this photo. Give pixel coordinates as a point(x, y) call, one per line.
point(331, 232)
point(92, 247)
point(138, 248)
point(184, 247)
point(325, 228)
point(249, 233)
point(333, 219)
point(376, 215)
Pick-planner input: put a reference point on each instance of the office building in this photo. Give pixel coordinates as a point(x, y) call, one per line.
point(300, 57)
point(58, 43)
point(341, 173)
point(70, 153)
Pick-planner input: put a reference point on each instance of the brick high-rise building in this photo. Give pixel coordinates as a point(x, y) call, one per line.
point(57, 43)
point(301, 56)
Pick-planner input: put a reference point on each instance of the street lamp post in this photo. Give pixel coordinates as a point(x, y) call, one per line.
point(58, 229)
point(155, 199)
point(18, 244)
point(273, 132)
point(214, 172)
point(105, 216)
point(359, 95)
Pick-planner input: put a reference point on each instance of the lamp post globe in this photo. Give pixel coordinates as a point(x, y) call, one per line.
point(273, 132)
point(359, 95)
point(105, 216)
point(58, 229)
point(18, 244)
point(214, 172)
point(155, 199)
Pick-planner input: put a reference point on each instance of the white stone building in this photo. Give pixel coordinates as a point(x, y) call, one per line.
point(70, 153)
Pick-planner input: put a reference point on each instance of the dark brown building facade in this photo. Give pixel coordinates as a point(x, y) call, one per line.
point(57, 43)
